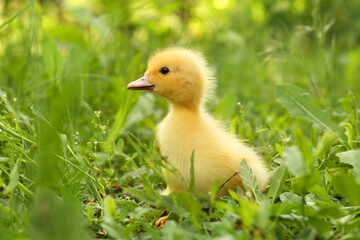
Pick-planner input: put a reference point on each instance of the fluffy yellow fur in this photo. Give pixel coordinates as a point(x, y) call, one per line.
point(188, 127)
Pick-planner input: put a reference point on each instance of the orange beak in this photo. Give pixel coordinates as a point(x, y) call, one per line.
point(141, 84)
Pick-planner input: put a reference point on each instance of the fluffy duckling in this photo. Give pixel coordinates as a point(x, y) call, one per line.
point(183, 78)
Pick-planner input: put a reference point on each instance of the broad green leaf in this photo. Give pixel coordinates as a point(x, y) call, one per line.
point(321, 225)
point(247, 177)
point(294, 161)
point(308, 233)
point(299, 104)
point(319, 191)
point(277, 182)
point(347, 187)
point(280, 208)
point(226, 108)
point(290, 197)
point(352, 157)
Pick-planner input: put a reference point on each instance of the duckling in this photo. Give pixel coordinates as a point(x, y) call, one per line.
point(183, 78)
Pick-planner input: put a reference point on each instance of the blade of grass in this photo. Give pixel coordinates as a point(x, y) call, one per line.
point(9, 20)
point(192, 172)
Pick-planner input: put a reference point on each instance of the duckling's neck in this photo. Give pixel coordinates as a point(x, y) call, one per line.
point(181, 108)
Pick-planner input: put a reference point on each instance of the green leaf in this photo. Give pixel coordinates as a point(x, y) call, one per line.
point(299, 104)
point(324, 144)
point(64, 143)
point(120, 145)
point(289, 197)
point(141, 195)
point(279, 149)
point(294, 161)
point(321, 225)
point(14, 178)
point(109, 207)
point(352, 157)
point(247, 176)
point(302, 183)
point(277, 182)
point(320, 191)
point(313, 136)
point(227, 106)
point(90, 213)
point(347, 187)
point(191, 205)
point(192, 173)
point(280, 208)
point(248, 212)
point(308, 233)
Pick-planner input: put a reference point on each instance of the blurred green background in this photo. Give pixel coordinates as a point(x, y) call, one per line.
point(66, 113)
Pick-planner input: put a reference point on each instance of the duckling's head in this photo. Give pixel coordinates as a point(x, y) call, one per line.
point(179, 75)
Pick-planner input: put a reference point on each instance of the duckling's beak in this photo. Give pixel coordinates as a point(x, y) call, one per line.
point(141, 84)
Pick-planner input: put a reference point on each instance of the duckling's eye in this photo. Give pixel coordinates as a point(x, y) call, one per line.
point(164, 70)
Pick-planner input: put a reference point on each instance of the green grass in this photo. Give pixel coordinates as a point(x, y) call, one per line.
point(78, 156)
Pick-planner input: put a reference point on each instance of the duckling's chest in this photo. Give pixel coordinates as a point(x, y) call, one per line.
point(179, 135)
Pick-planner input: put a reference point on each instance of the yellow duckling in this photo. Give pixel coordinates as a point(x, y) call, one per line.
point(182, 77)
